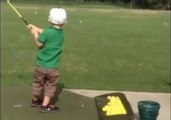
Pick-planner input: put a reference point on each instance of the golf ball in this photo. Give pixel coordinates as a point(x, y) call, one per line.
point(35, 13)
point(82, 105)
point(80, 21)
point(17, 105)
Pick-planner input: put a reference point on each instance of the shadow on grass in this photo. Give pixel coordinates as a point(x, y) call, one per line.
point(59, 89)
point(169, 84)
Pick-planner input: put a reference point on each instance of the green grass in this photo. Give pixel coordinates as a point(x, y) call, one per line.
point(112, 49)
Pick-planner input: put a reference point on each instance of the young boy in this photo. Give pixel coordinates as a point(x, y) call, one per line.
point(49, 41)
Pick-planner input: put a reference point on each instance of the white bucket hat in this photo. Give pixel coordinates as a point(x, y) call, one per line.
point(57, 16)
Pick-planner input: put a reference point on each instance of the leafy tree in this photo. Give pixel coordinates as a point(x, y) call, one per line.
point(154, 4)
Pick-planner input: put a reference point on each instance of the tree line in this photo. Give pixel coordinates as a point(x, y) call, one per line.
point(143, 4)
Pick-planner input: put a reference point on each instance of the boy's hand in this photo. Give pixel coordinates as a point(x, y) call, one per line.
point(29, 26)
point(34, 29)
point(35, 32)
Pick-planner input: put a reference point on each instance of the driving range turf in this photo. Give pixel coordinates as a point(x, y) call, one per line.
point(112, 48)
point(72, 106)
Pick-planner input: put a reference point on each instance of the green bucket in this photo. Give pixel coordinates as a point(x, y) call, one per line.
point(148, 110)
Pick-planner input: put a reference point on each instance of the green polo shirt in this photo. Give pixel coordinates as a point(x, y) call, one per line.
point(49, 55)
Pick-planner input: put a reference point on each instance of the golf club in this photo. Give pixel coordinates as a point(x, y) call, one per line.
point(16, 11)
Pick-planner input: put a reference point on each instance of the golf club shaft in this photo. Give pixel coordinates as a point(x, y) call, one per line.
point(16, 11)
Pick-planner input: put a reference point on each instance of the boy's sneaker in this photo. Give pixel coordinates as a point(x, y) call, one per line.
point(48, 108)
point(36, 103)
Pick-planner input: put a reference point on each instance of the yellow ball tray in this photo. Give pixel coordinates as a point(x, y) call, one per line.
point(101, 101)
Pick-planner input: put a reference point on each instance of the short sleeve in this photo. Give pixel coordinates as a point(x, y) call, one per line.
point(42, 37)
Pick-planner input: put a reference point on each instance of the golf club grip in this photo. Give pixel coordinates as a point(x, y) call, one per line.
point(25, 22)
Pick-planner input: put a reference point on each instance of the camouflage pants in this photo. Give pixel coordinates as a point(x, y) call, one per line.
point(45, 81)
